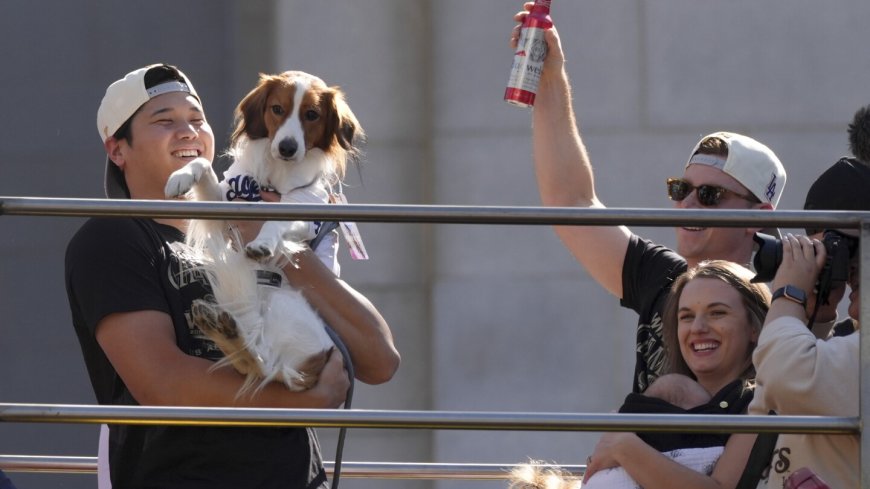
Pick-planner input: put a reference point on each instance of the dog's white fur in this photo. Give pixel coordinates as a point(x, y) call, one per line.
point(279, 334)
point(538, 475)
point(278, 330)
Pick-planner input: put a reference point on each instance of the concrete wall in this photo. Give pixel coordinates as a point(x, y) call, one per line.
point(492, 318)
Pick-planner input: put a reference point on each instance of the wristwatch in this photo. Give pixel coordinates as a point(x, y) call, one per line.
point(791, 293)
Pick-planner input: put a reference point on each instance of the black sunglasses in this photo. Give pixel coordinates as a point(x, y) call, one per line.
point(708, 195)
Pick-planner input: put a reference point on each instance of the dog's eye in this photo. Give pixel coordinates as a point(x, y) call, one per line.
point(311, 115)
point(277, 109)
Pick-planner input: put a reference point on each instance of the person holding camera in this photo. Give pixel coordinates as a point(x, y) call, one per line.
point(843, 186)
point(799, 374)
point(840, 247)
point(796, 372)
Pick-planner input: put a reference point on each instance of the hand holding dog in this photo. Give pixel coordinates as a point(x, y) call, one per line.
point(249, 229)
point(333, 384)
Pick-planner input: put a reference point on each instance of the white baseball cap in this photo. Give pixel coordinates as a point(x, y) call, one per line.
point(749, 162)
point(121, 101)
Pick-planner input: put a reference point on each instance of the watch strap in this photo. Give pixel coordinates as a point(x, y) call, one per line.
point(792, 293)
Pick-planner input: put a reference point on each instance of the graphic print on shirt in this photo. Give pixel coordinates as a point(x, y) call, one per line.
point(780, 463)
point(187, 275)
point(650, 353)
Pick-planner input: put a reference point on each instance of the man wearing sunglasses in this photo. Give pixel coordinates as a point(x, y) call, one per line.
point(724, 171)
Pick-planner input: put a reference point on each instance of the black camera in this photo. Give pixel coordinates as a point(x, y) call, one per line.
point(840, 249)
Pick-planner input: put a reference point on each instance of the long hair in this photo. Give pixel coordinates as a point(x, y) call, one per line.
point(755, 298)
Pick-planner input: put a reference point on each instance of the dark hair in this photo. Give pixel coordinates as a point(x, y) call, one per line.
point(713, 146)
point(155, 76)
point(755, 298)
point(859, 135)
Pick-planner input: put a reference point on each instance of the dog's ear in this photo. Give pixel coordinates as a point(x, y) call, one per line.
point(251, 110)
point(343, 122)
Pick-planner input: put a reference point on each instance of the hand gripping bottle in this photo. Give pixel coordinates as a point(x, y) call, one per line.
point(529, 58)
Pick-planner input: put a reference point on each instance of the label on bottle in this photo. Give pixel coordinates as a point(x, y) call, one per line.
point(528, 61)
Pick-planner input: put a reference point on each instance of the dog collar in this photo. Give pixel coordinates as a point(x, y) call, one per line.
point(272, 279)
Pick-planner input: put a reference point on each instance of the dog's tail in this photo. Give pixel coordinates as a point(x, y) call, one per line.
point(538, 475)
point(234, 285)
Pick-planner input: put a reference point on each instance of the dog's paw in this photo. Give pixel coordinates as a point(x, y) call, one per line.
point(261, 249)
point(220, 326)
point(179, 183)
point(212, 319)
point(299, 231)
point(182, 180)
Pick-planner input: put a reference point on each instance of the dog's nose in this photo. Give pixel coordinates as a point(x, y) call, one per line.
point(288, 147)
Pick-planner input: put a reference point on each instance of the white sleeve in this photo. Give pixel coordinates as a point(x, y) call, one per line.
point(312, 194)
point(104, 480)
point(798, 374)
point(327, 251)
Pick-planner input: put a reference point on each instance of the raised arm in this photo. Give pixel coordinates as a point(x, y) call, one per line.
point(797, 373)
point(564, 174)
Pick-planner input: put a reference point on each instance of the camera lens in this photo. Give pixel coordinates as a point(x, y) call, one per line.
point(767, 258)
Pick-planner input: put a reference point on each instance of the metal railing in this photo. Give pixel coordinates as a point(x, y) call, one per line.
point(458, 420)
point(358, 470)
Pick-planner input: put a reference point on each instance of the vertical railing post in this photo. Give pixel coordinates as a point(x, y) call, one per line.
point(864, 373)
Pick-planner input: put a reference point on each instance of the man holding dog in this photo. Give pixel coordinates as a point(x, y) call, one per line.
point(130, 285)
point(724, 171)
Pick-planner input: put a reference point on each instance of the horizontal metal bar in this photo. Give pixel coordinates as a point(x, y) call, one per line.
point(372, 470)
point(450, 420)
point(42, 463)
point(38, 206)
point(442, 471)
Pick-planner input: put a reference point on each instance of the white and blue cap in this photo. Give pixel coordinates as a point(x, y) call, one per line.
point(749, 162)
point(121, 101)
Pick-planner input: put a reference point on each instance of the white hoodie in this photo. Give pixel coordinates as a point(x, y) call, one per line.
point(798, 374)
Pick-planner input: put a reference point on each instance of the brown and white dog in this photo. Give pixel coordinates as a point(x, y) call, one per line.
point(293, 135)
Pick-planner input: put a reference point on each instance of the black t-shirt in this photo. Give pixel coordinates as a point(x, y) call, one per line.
point(648, 273)
point(116, 265)
point(5, 483)
point(734, 398)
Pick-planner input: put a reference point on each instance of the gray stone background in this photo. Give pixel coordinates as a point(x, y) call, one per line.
point(492, 318)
